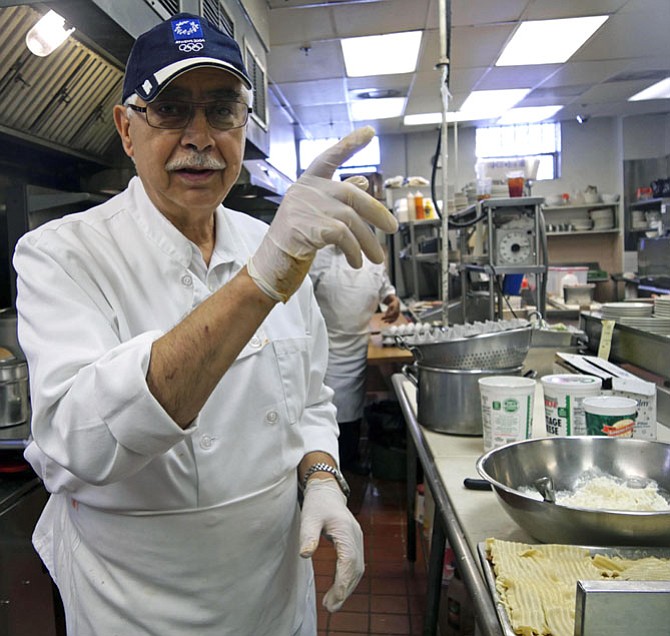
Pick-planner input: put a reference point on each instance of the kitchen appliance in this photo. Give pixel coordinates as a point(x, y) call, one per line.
point(513, 469)
point(653, 258)
point(498, 237)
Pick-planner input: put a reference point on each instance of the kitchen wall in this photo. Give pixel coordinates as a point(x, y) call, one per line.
point(591, 155)
point(646, 137)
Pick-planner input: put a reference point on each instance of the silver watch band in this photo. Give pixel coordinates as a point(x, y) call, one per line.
point(327, 468)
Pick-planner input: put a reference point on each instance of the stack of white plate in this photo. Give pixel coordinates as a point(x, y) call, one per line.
point(613, 311)
point(638, 220)
point(638, 315)
point(660, 326)
point(602, 219)
point(662, 307)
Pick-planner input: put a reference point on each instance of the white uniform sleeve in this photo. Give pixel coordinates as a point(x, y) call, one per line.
point(93, 415)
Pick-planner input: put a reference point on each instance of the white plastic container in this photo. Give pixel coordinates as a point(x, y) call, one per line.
point(558, 276)
point(610, 415)
point(507, 409)
point(563, 397)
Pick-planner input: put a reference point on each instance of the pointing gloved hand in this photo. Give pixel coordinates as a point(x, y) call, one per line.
point(317, 211)
point(324, 509)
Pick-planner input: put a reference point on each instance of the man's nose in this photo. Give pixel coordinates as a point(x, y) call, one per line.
point(198, 132)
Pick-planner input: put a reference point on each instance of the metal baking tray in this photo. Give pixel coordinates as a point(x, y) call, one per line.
point(490, 577)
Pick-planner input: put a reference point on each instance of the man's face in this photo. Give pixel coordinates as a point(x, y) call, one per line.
point(167, 160)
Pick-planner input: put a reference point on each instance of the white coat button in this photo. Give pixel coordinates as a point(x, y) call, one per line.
point(255, 342)
point(206, 442)
point(186, 280)
point(272, 416)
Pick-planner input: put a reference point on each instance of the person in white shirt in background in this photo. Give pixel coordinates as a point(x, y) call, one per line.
point(176, 357)
point(348, 298)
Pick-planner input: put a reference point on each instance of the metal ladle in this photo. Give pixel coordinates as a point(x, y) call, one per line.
point(545, 486)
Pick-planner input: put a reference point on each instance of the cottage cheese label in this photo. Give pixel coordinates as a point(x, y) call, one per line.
point(563, 395)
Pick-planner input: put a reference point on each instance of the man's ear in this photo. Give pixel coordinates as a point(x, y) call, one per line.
point(122, 124)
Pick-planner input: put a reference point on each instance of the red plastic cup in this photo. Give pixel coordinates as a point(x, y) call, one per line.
point(515, 186)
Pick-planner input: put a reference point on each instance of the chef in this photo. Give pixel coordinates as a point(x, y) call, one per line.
point(348, 297)
point(176, 357)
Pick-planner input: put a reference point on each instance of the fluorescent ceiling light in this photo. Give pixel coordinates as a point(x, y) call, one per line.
point(48, 34)
point(383, 108)
point(381, 54)
point(451, 117)
point(489, 104)
point(422, 119)
point(528, 115)
point(548, 41)
point(660, 90)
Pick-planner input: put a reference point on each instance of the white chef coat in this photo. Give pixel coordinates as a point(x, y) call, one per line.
point(152, 529)
point(347, 298)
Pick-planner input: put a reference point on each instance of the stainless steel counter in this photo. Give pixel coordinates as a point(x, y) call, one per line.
point(648, 351)
point(463, 517)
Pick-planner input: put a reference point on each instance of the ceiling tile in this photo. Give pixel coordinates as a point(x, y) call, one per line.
point(479, 12)
point(575, 73)
point(478, 46)
point(322, 61)
point(502, 77)
point(633, 40)
point(315, 93)
point(612, 92)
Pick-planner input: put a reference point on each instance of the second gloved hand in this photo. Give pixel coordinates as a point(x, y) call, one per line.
point(325, 510)
point(317, 211)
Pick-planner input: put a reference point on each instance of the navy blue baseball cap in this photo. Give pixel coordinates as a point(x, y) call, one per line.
point(183, 42)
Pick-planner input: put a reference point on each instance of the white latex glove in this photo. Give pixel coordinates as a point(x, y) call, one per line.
point(324, 509)
point(317, 211)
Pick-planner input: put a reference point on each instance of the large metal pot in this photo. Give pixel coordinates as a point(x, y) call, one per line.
point(448, 400)
point(8, 335)
point(14, 403)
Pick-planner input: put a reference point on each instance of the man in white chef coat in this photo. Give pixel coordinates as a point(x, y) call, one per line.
point(176, 358)
point(348, 297)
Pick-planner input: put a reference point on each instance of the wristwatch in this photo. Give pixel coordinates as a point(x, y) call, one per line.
point(327, 468)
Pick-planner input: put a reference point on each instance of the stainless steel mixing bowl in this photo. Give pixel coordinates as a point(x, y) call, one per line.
point(516, 466)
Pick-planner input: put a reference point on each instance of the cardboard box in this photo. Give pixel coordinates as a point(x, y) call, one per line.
point(617, 381)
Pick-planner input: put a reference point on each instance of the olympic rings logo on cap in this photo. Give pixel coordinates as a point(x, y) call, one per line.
point(191, 47)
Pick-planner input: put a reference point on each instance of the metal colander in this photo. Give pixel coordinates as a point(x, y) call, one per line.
point(499, 350)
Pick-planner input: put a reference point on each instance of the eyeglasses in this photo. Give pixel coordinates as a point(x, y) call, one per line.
point(222, 115)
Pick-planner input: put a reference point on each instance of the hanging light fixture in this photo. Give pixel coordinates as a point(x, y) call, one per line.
point(48, 34)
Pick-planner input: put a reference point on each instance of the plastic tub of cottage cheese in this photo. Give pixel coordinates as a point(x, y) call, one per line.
point(507, 409)
point(563, 397)
point(610, 415)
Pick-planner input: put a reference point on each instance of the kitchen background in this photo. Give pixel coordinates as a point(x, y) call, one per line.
point(60, 151)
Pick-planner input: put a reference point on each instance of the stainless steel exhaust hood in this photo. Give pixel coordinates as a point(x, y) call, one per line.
point(258, 179)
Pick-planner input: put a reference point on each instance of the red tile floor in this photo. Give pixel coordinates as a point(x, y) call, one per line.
point(390, 599)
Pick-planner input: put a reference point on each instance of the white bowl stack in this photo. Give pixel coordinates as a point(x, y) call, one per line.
point(609, 198)
point(582, 225)
point(602, 219)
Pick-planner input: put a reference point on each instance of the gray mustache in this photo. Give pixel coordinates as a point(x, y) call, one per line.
point(195, 162)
